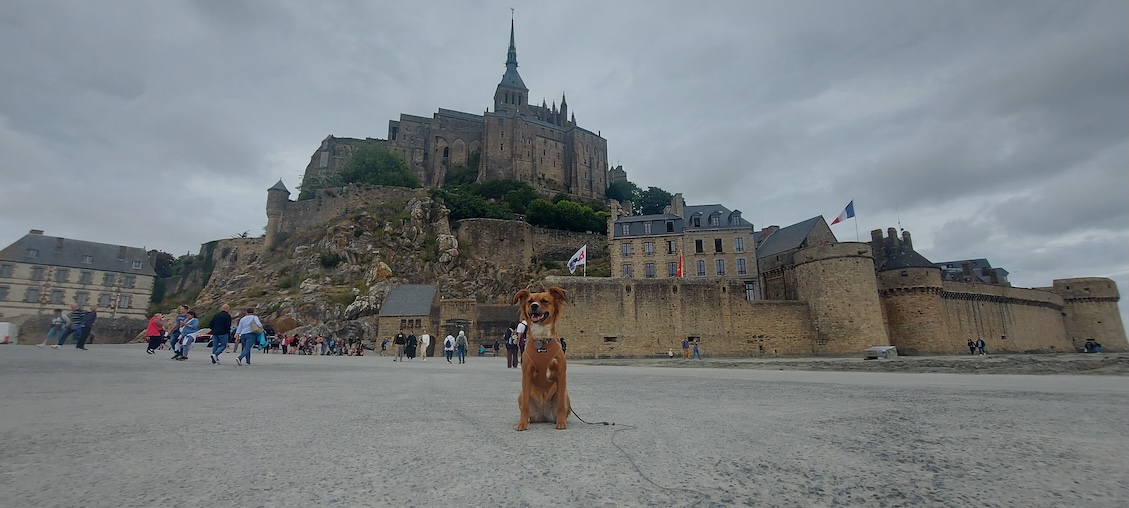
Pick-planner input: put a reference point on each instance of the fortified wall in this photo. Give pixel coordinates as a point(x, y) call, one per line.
point(512, 244)
point(285, 216)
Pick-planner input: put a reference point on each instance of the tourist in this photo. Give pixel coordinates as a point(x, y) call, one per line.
point(87, 326)
point(383, 346)
point(980, 347)
point(221, 332)
point(1092, 346)
point(564, 345)
point(685, 349)
point(410, 346)
point(187, 336)
point(75, 322)
point(521, 328)
point(285, 344)
point(59, 326)
point(697, 353)
point(449, 347)
point(399, 342)
point(155, 332)
point(181, 315)
point(460, 346)
point(497, 346)
point(971, 347)
point(424, 343)
point(511, 346)
point(248, 331)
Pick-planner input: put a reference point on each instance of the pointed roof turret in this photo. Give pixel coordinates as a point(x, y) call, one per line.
point(279, 186)
point(564, 103)
point(511, 78)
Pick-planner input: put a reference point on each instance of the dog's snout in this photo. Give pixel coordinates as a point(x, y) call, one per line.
point(534, 305)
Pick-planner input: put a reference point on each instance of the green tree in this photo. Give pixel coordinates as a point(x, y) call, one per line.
point(653, 200)
point(623, 191)
point(376, 165)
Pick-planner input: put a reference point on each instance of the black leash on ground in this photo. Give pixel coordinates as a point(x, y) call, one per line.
point(701, 495)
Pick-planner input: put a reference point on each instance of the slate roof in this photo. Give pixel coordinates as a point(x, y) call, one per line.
point(58, 251)
point(460, 114)
point(790, 237)
point(904, 257)
point(409, 300)
point(512, 79)
point(708, 210)
point(279, 186)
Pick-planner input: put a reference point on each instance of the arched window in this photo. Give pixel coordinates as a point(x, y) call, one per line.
point(446, 152)
point(507, 97)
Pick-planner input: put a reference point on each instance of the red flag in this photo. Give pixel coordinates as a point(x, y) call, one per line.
point(680, 263)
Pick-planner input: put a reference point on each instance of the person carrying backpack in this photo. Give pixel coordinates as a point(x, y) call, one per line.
point(511, 346)
point(449, 347)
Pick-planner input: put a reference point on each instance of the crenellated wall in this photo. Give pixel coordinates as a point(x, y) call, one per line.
point(1091, 312)
point(914, 314)
point(1009, 319)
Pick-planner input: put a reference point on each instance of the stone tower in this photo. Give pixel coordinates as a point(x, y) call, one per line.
point(838, 283)
point(277, 198)
point(909, 287)
point(1091, 312)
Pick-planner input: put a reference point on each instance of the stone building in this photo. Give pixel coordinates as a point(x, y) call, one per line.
point(699, 241)
point(40, 273)
point(973, 270)
point(776, 248)
point(539, 145)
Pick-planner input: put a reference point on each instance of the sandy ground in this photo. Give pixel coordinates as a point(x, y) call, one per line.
point(113, 427)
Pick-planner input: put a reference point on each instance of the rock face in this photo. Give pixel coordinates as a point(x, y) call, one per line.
point(334, 279)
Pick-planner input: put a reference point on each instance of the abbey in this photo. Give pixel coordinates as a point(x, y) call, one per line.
point(539, 145)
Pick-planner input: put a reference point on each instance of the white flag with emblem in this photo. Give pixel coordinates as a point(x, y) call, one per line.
point(580, 258)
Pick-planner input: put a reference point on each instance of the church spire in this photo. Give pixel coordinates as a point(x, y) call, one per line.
point(511, 55)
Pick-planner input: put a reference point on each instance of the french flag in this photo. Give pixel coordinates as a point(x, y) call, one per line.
point(848, 213)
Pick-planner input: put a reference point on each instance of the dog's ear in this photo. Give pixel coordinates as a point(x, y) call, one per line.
point(521, 295)
point(558, 293)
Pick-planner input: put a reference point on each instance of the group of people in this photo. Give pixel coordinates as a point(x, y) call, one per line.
point(687, 353)
point(181, 333)
point(79, 323)
point(318, 346)
point(976, 346)
point(410, 346)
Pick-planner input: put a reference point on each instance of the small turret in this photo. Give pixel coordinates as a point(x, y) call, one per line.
point(564, 109)
point(278, 196)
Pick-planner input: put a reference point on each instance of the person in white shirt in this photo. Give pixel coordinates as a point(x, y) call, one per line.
point(449, 347)
point(248, 331)
point(424, 342)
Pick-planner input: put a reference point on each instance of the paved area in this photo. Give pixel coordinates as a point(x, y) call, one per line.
point(115, 427)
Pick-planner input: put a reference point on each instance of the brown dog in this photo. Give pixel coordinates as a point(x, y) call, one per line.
point(544, 394)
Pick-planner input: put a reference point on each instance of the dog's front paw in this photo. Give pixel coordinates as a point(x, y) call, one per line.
point(561, 425)
point(522, 425)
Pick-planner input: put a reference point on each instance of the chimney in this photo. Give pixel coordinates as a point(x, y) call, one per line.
point(58, 245)
point(875, 235)
point(36, 232)
point(966, 266)
point(994, 276)
point(121, 252)
point(892, 233)
point(906, 239)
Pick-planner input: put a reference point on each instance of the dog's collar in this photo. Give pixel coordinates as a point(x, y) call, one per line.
point(540, 345)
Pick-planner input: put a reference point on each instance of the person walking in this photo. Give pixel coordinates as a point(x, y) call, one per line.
point(511, 346)
point(187, 336)
point(154, 332)
point(181, 316)
point(424, 343)
point(971, 347)
point(521, 328)
point(449, 347)
point(564, 346)
point(697, 353)
point(221, 332)
point(248, 331)
point(400, 341)
point(460, 346)
point(980, 346)
point(685, 349)
point(87, 326)
point(59, 326)
point(410, 346)
point(75, 319)
point(384, 346)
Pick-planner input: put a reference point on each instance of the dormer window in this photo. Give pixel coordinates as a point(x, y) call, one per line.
point(87, 259)
point(33, 253)
point(715, 220)
point(136, 265)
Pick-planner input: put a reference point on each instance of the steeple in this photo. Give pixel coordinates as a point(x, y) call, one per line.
point(511, 95)
point(511, 55)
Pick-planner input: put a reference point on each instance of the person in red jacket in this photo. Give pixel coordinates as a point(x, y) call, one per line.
point(155, 332)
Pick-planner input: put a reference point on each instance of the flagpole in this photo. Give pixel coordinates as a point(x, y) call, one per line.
point(856, 227)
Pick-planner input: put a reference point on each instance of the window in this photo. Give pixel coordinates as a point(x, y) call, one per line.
point(6, 270)
point(86, 278)
point(137, 265)
point(741, 266)
point(104, 300)
point(37, 273)
point(130, 281)
point(56, 296)
point(446, 152)
point(649, 270)
point(750, 291)
point(33, 253)
point(698, 246)
point(625, 229)
point(627, 270)
point(627, 250)
point(669, 226)
point(701, 268)
point(125, 301)
point(81, 298)
point(739, 244)
point(4, 293)
point(108, 279)
point(696, 221)
point(87, 259)
point(671, 246)
point(672, 269)
point(62, 274)
point(719, 266)
point(649, 248)
point(646, 228)
point(715, 220)
point(31, 295)
point(717, 244)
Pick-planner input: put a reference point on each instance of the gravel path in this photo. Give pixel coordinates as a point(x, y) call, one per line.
point(114, 427)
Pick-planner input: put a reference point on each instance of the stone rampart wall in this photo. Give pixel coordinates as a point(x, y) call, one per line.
point(1010, 320)
point(516, 244)
point(339, 202)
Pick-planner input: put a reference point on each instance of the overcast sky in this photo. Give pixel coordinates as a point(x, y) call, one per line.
point(990, 129)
